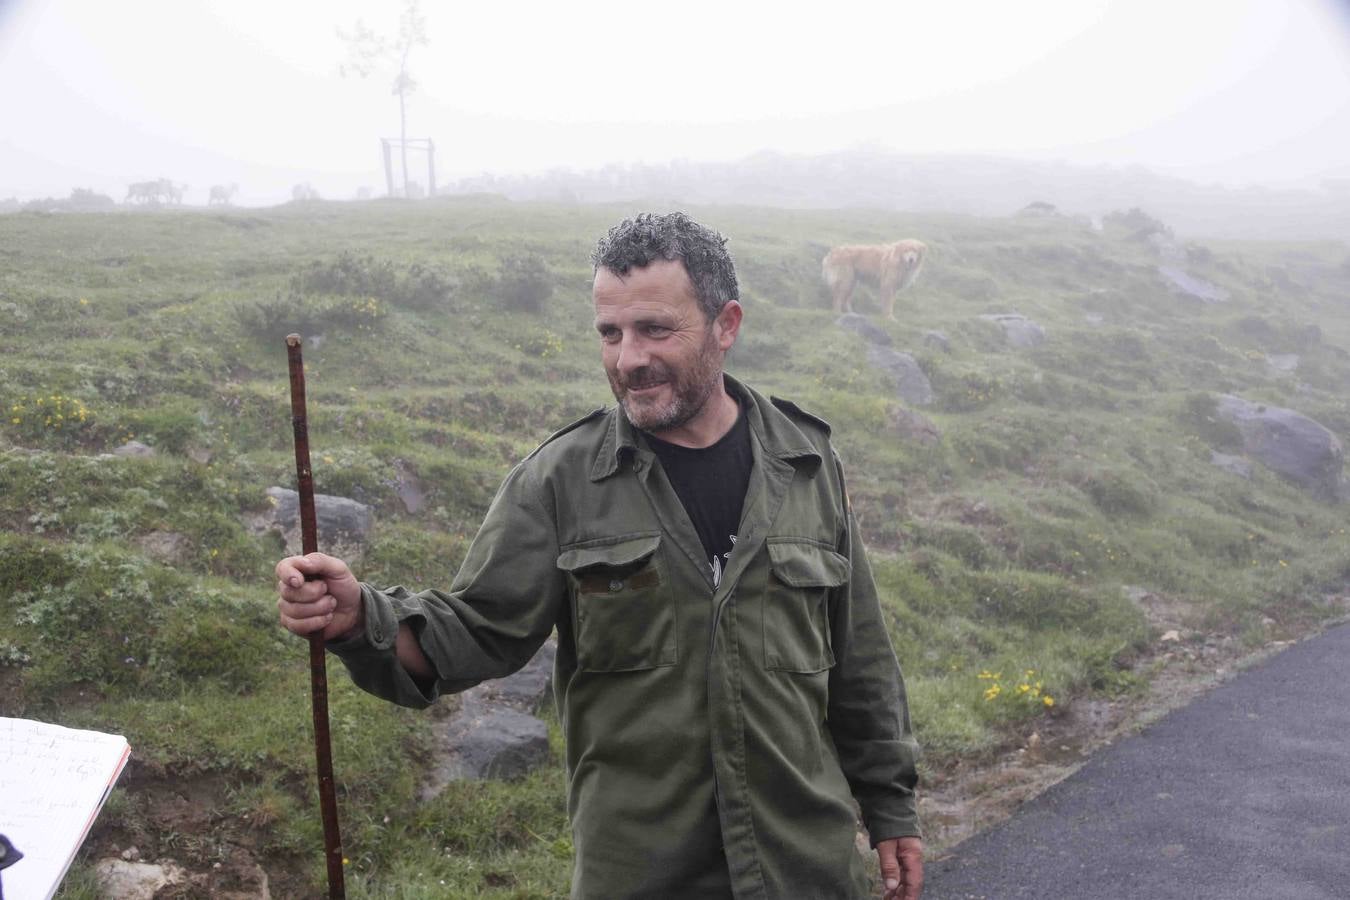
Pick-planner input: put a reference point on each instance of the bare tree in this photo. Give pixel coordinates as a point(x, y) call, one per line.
point(367, 50)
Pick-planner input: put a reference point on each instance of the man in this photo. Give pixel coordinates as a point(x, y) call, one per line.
point(723, 675)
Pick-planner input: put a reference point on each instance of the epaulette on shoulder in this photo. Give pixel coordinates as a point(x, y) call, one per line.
point(593, 414)
point(797, 412)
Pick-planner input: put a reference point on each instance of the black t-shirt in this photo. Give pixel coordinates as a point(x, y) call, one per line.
point(711, 483)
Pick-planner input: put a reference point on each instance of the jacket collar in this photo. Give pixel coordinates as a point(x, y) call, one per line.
point(778, 434)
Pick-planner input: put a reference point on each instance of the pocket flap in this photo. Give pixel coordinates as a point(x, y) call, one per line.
point(801, 564)
point(617, 554)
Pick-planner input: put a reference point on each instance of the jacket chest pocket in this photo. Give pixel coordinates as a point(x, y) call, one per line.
point(796, 607)
point(622, 604)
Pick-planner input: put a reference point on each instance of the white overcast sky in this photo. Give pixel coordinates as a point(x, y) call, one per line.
point(97, 93)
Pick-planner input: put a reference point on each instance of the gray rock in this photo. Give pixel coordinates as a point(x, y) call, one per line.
point(1038, 209)
point(484, 742)
point(493, 734)
point(858, 324)
point(339, 519)
point(1283, 362)
point(1167, 246)
point(168, 547)
point(1188, 285)
point(911, 384)
point(127, 880)
point(1288, 442)
point(409, 488)
point(1236, 465)
point(1018, 330)
point(937, 339)
point(134, 449)
point(1134, 593)
point(914, 426)
point(526, 690)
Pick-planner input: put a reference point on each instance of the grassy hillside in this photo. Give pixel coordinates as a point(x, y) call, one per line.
point(1063, 474)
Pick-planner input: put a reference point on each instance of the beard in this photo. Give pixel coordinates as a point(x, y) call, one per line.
point(690, 389)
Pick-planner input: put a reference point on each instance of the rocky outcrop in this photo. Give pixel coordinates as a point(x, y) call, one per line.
point(911, 384)
point(494, 733)
point(914, 426)
point(135, 449)
point(488, 743)
point(127, 880)
point(409, 488)
point(1290, 443)
point(1234, 465)
point(1283, 362)
point(859, 324)
point(1188, 285)
point(343, 524)
point(937, 339)
point(1018, 330)
point(168, 547)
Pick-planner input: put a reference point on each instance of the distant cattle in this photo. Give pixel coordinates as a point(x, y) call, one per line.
point(222, 194)
point(147, 192)
point(304, 192)
point(153, 193)
point(892, 266)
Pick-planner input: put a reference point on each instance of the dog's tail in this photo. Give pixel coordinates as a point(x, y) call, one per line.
point(830, 270)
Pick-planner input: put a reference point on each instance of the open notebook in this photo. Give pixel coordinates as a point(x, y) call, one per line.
point(53, 782)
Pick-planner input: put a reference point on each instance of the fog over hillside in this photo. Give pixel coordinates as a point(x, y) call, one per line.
point(975, 185)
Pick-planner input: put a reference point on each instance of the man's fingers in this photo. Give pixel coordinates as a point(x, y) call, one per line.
point(306, 625)
point(307, 608)
point(293, 570)
point(890, 868)
point(911, 865)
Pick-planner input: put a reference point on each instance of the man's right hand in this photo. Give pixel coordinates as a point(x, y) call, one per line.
point(318, 592)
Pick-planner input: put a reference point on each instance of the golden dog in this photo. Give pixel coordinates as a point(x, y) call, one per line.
point(892, 266)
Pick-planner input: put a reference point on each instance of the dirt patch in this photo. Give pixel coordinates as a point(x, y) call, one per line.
point(184, 820)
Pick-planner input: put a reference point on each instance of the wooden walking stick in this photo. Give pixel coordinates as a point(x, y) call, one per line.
point(318, 674)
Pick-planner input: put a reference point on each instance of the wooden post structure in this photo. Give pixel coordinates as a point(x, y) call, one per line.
point(431, 168)
point(388, 167)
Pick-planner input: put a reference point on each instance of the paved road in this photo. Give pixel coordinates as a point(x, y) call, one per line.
point(1245, 793)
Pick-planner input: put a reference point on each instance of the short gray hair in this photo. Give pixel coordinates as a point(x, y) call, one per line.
point(636, 242)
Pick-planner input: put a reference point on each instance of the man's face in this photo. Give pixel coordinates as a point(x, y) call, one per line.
point(662, 356)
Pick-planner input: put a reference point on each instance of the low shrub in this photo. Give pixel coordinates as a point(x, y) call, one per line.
point(1041, 602)
point(49, 418)
point(1137, 224)
point(116, 620)
point(1120, 493)
point(310, 314)
point(1199, 414)
point(416, 287)
point(964, 542)
point(1004, 440)
point(524, 283)
point(966, 391)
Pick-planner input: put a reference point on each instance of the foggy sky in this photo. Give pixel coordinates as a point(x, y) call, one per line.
point(97, 94)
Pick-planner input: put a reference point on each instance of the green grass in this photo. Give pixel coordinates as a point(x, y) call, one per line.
point(1063, 473)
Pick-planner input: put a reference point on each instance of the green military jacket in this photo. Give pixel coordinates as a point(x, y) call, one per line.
point(716, 737)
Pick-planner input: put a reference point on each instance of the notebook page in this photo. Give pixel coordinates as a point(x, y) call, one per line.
point(53, 781)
